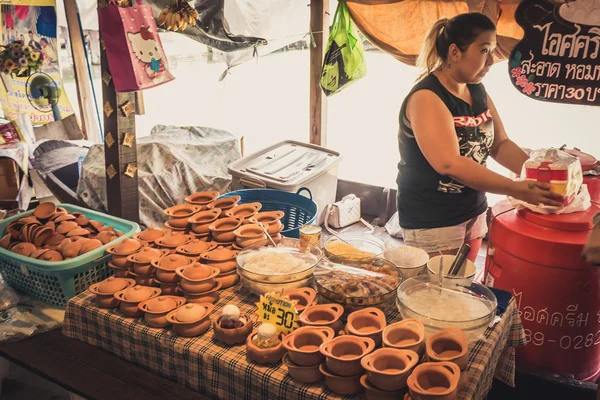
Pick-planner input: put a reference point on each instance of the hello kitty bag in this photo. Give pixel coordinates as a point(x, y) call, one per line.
point(133, 49)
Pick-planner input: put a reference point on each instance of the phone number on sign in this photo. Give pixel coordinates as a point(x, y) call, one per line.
point(566, 342)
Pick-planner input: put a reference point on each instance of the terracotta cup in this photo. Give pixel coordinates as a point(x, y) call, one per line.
point(302, 374)
point(343, 354)
point(303, 344)
point(408, 334)
point(368, 322)
point(388, 368)
point(327, 315)
point(434, 381)
point(448, 345)
point(342, 385)
point(304, 297)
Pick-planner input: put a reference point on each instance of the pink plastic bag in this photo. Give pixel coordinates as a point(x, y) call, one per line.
point(133, 48)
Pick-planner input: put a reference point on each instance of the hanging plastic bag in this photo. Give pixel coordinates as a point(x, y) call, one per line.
point(344, 61)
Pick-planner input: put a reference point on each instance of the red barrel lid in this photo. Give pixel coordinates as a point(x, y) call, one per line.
point(574, 222)
point(588, 161)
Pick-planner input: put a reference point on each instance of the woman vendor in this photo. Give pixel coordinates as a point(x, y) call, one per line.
point(448, 128)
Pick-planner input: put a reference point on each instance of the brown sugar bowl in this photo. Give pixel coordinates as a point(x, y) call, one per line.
point(388, 368)
point(344, 353)
point(150, 235)
point(132, 296)
point(434, 381)
point(197, 278)
point(303, 344)
point(221, 258)
point(191, 319)
point(270, 220)
point(224, 203)
point(302, 374)
point(244, 211)
point(304, 297)
point(222, 229)
point(450, 345)
point(368, 322)
point(202, 199)
point(106, 289)
point(247, 235)
point(196, 247)
point(156, 309)
point(408, 334)
point(140, 261)
point(202, 220)
point(342, 385)
point(237, 335)
point(323, 315)
point(166, 266)
point(211, 296)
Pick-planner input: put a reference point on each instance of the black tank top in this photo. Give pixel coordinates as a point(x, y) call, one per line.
point(427, 199)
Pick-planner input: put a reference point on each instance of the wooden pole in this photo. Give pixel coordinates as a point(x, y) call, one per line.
point(120, 151)
point(83, 83)
point(319, 26)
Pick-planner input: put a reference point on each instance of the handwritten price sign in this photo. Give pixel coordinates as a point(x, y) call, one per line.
point(278, 310)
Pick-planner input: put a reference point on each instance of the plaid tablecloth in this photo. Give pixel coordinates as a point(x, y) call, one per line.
point(223, 372)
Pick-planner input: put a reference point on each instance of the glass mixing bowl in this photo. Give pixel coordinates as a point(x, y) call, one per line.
point(458, 303)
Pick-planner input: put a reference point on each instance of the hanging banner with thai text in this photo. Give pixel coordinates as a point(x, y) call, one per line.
point(558, 59)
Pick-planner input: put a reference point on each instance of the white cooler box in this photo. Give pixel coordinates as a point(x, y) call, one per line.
point(288, 166)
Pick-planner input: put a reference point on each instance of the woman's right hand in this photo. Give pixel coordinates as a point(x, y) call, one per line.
point(536, 193)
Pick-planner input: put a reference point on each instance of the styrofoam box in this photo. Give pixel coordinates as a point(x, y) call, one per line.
point(289, 166)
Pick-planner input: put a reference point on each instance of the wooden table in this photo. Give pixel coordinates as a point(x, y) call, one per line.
point(90, 372)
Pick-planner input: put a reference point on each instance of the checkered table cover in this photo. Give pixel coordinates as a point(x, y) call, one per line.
point(220, 371)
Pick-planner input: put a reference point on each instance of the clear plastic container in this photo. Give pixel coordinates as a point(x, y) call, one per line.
point(459, 303)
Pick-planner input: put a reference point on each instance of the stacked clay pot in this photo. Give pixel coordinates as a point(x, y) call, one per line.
point(303, 359)
point(119, 263)
point(52, 234)
point(198, 284)
point(164, 271)
point(224, 260)
point(450, 345)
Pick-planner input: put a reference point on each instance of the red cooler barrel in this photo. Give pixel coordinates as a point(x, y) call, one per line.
point(537, 258)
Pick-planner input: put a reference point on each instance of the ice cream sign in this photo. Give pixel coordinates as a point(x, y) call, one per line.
point(558, 59)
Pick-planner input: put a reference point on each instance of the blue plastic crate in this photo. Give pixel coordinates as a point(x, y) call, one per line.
point(299, 210)
point(57, 282)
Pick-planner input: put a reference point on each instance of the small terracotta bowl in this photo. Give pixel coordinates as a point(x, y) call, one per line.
point(303, 344)
point(244, 211)
point(191, 320)
point(302, 374)
point(264, 356)
point(156, 309)
point(233, 336)
point(132, 296)
point(373, 393)
point(202, 198)
point(228, 279)
point(343, 354)
point(197, 278)
point(408, 334)
point(202, 220)
point(212, 296)
point(105, 291)
point(247, 235)
point(224, 203)
point(342, 385)
point(368, 322)
point(388, 368)
point(304, 297)
point(182, 211)
point(323, 315)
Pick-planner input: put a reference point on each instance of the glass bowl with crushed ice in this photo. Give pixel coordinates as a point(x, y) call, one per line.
point(457, 303)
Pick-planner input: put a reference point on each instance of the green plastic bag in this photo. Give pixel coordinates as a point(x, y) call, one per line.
point(344, 61)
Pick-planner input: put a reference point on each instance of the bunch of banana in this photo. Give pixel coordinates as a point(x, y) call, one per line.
point(177, 17)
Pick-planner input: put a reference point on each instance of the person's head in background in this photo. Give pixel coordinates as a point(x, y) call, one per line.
point(462, 47)
point(43, 42)
point(31, 35)
point(22, 38)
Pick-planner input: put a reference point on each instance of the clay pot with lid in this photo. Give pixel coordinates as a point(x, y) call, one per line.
point(271, 220)
point(344, 353)
point(156, 309)
point(150, 235)
point(105, 237)
point(244, 211)
point(224, 203)
point(168, 288)
point(228, 279)
point(434, 381)
point(247, 235)
point(143, 280)
point(304, 297)
point(118, 272)
point(191, 319)
point(197, 278)
point(202, 220)
point(202, 199)
point(106, 289)
point(222, 229)
point(374, 393)
point(303, 344)
point(450, 345)
point(124, 248)
point(302, 374)
point(167, 265)
point(408, 334)
point(131, 297)
point(342, 385)
point(211, 296)
point(234, 335)
point(44, 210)
point(173, 240)
point(141, 260)
point(368, 322)
point(323, 315)
point(264, 356)
point(196, 247)
point(388, 368)
point(221, 258)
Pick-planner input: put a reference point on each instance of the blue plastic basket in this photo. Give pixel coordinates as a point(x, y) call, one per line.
point(57, 282)
point(298, 209)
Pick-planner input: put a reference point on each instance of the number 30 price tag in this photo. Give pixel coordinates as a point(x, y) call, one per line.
point(278, 310)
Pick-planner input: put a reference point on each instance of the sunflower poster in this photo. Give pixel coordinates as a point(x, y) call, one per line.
point(28, 51)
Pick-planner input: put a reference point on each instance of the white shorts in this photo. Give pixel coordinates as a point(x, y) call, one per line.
point(447, 238)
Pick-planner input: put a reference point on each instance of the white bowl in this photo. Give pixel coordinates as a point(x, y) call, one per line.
point(411, 260)
point(433, 266)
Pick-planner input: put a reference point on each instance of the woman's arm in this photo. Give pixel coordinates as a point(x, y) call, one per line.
point(504, 150)
point(434, 131)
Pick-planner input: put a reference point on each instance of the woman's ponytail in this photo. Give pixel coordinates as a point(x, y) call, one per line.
point(429, 58)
